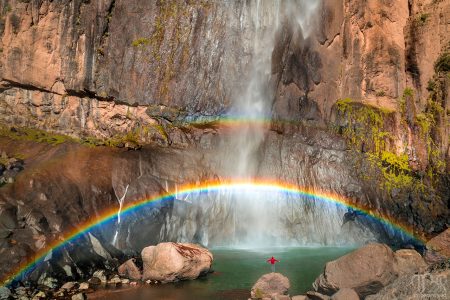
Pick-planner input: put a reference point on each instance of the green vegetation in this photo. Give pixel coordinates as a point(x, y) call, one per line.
point(380, 93)
point(366, 131)
point(41, 136)
point(140, 42)
point(35, 135)
point(422, 18)
point(443, 63)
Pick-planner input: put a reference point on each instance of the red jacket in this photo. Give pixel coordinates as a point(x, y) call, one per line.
point(272, 260)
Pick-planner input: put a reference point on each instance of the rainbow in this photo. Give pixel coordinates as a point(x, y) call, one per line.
point(230, 121)
point(204, 187)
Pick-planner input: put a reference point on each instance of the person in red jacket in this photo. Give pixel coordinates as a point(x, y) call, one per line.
point(273, 261)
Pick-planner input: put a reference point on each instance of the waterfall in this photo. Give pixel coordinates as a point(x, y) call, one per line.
point(247, 217)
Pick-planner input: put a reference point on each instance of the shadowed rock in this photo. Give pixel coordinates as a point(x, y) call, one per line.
point(438, 248)
point(130, 270)
point(366, 270)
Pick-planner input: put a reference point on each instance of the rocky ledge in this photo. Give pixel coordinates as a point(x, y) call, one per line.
point(163, 263)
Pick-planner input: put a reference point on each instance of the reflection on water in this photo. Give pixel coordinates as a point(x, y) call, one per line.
point(235, 271)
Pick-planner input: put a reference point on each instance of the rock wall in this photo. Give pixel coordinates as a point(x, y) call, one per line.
point(108, 67)
point(62, 60)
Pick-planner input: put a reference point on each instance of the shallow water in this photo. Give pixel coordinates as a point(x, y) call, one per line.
point(235, 271)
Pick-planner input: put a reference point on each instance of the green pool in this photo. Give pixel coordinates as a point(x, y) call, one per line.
point(235, 271)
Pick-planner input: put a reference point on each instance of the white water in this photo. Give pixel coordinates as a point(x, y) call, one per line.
point(251, 217)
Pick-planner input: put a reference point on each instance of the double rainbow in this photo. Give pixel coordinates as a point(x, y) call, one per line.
point(199, 188)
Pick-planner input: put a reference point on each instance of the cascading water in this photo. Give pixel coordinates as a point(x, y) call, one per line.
point(247, 217)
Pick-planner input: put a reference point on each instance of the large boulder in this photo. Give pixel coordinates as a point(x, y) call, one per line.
point(366, 270)
point(170, 262)
point(270, 285)
point(130, 270)
point(438, 248)
point(409, 261)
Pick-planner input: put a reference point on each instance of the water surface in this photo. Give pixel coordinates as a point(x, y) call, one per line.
point(235, 271)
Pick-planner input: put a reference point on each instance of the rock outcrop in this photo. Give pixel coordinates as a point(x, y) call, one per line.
point(434, 285)
point(171, 262)
point(409, 262)
point(366, 270)
point(270, 285)
point(438, 248)
point(345, 294)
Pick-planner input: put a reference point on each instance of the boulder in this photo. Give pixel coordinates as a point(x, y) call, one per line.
point(130, 270)
point(270, 285)
point(409, 261)
point(417, 286)
point(438, 248)
point(170, 262)
point(366, 270)
point(316, 296)
point(345, 294)
point(100, 274)
point(299, 297)
point(4, 292)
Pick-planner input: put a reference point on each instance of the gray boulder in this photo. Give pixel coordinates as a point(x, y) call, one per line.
point(4, 292)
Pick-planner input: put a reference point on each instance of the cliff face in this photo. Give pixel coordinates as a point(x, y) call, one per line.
point(372, 73)
point(93, 68)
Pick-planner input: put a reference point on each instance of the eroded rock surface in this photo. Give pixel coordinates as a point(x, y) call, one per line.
point(171, 262)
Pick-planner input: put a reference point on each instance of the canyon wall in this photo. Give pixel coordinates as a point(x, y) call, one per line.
point(371, 80)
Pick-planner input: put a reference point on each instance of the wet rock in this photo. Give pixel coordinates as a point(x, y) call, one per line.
point(84, 286)
point(69, 286)
point(270, 285)
point(115, 280)
point(79, 296)
point(100, 274)
point(4, 292)
point(438, 248)
point(94, 281)
point(48, 281)
point(39, 295)
point(316, 296)
point(366, 270)
point(130, 270)
point(345, 294)
point(125, 281)
point(169, 262)
point(409, 261)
